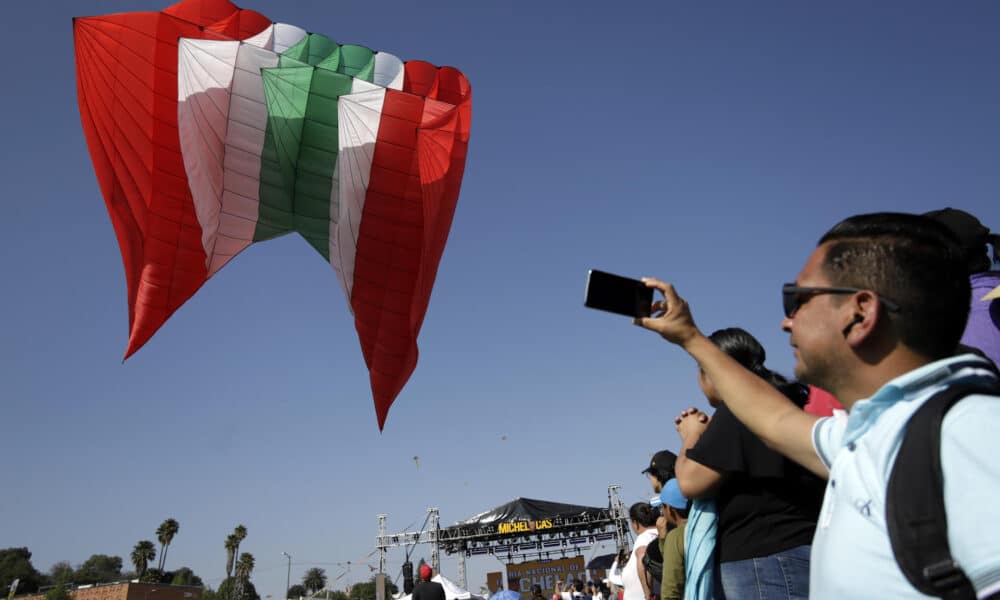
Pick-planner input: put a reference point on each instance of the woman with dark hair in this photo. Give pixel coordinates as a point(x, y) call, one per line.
point(766, 505)
point(643, 520)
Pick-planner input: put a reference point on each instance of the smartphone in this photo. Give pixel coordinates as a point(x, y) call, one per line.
point(617, 294)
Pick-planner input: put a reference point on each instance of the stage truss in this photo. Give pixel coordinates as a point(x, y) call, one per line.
point(567, 536)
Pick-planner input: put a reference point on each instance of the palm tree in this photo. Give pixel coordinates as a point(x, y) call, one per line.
point(314, 579)
point(231, 545)
point(165, 534)
point(142, 554)
point(240, 532)
point(244, 566)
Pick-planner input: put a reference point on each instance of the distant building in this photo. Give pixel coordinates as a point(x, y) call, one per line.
point(128, 591)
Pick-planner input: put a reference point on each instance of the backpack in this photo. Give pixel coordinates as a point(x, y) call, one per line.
point(652, 561)
point(915, 515)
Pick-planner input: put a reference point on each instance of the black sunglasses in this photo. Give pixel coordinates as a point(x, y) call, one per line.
point(794, 296)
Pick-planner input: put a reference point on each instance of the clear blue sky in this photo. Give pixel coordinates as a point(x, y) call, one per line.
point(710, 144)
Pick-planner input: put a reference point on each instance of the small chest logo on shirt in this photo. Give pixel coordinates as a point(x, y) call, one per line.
point(864, 507)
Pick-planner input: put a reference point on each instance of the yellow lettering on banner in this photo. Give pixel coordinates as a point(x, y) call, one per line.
point(523, 526)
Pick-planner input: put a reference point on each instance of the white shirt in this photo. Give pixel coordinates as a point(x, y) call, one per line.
point(851, 553)
point(630, 574)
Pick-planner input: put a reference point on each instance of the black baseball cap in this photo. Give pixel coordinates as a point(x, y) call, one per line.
point(972, 235)
point(662, 465)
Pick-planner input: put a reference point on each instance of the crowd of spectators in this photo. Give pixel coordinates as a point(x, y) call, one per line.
point(775, 495)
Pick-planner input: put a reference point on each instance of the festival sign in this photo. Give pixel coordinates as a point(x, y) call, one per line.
point(524, 526)
point(522, 576)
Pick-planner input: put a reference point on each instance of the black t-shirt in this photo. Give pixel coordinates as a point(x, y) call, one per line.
point(767, 503)
point(428, 590)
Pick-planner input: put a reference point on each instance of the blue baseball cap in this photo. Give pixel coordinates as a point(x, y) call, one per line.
point(672, 496)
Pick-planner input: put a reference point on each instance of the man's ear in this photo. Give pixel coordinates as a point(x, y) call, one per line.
point(857, 319)
point(866, 317)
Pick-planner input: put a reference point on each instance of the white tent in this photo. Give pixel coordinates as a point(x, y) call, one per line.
point(452, 591)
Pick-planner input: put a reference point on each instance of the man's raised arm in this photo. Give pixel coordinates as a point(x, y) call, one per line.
point(757, 404)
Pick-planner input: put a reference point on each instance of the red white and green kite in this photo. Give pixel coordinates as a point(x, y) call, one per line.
point(211, 128)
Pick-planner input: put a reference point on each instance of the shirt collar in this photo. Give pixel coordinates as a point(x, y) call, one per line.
point(912, 385)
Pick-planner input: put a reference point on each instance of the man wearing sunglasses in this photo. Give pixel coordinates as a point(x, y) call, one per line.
point(874, 317)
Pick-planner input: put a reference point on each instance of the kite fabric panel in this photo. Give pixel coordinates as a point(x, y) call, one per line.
point(272, 130)
point(126, 73)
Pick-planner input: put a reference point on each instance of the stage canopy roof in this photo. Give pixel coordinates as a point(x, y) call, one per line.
point(526, 518)
point(530, 510)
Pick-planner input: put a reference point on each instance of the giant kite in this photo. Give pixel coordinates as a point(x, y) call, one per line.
point(211, 128)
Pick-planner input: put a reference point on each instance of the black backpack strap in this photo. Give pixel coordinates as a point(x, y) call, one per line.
point(915, 512)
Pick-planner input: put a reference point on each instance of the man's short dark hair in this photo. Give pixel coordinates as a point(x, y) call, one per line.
point(913, 261)
point(643, 514)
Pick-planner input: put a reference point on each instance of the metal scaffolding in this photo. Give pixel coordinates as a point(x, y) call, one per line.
point(623, 534)
point(568, 534)
point(434, 525)
point(428, 535)
point(381, 550)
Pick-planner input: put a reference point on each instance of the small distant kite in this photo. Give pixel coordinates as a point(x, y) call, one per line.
point(416, 461)
point(212, 128)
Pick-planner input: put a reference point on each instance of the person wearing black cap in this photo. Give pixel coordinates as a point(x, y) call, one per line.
point(427, 589)
point(660, 469)
point(982, 331)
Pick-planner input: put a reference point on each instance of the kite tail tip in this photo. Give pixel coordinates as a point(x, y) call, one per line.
point(138, 335)
point(133, 347)
point(381, 413)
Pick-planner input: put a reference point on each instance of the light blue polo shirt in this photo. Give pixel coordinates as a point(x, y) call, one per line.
point(851, 553)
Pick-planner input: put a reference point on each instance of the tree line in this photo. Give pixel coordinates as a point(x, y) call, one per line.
point(15, 564)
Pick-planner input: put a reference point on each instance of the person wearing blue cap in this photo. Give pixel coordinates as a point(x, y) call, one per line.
point(671, 527)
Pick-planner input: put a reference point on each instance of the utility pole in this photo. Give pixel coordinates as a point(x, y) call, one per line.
point(288, 575)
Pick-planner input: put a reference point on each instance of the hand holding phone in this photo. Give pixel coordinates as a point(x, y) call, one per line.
point(617, 294)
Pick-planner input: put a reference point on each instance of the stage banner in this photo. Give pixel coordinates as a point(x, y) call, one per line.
point(494, 582)
point(522, 576)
